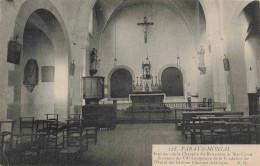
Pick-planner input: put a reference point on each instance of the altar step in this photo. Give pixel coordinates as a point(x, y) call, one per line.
point(145, 117)
point(135, 121)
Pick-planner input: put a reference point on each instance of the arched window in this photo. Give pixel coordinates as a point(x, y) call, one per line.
point(121, 83)
point(172, 82)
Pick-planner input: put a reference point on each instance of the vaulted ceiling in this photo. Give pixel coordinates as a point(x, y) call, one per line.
point(189, 10)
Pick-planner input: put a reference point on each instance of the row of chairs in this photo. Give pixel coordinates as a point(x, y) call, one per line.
point(40, 139)
point(46, 140)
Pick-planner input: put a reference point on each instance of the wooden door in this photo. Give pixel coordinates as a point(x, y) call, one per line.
point(253, 103)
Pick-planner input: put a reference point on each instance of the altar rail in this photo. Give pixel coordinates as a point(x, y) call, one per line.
point(172, 116)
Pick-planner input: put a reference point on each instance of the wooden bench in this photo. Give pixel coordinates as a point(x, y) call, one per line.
point(198, 109)
point(187, 122)
point(221, 126)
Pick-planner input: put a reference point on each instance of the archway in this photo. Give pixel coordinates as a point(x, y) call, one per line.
point(120, 83)
point(109, 80)
point(243, 77)
point(172, 82)
point(252, 57)
point(45, 39)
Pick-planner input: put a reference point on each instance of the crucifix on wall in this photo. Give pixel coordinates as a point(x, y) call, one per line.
point(145, 24)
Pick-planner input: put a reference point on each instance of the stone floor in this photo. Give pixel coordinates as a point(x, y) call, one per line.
point(127, 145)
point(130, 144)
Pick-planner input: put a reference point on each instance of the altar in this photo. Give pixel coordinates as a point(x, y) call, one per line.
point(148, 98)
point(147, 106)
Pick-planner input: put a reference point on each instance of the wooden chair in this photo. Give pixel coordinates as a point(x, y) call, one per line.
point(88, 132)
point(6, 138)
point(77, 118)
point(52, 117)
point(26, 125)
point(74, 116)
point(26, 141)
point(6, 134)
point(27, 147)
point(52, 121)
point(55, 136)
point(41, 126)
point(53, 143)
point(74, 140)
point(51, 135)
point(26, 128)
point(91, 133)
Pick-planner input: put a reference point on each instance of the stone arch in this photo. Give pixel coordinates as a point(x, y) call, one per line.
point(240, 8)
point(173, 65)
point(235, 15)
point(28, 8)
point(61, 43)
point(206, 8)
point(172, 82)
point(239, 69)
point(183, 75)
point(110, 74)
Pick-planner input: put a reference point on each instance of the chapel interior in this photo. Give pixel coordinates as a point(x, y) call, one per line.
point(99, 82)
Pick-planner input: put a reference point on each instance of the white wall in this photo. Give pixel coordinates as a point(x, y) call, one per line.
point(162, 46)
point(41, 101)
point(13, 23)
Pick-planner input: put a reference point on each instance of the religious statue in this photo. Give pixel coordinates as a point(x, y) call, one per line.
point(147, 82)
point(72, 68)
point(93, 62)
point(201, 56)
point(202, 66)
point(226, 63)
point(146, 69)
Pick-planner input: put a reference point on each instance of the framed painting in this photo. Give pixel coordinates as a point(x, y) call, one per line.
point(14, 52)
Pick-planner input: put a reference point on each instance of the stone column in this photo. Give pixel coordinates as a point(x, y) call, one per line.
point(216, 35)
point(80, 56)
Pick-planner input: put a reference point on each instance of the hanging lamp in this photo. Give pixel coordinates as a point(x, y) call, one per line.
point(115, 59)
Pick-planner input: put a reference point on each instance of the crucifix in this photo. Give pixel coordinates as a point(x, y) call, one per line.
point(145, 24)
